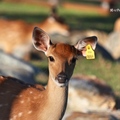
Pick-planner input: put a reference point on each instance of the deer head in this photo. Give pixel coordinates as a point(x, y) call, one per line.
point(34, 101)
point(62, 57)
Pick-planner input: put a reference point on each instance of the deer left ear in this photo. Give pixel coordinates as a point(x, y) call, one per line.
point(81, 44)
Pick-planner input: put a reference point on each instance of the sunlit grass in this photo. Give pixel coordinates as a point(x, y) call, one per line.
point(29, 8)
point(76, 19)
point(101, 68)
point(22, 8)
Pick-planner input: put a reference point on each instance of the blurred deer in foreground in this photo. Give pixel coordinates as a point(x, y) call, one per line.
point(15, 36)
point(19, 101)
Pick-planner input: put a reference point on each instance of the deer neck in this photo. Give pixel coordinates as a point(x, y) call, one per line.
point(56, 101)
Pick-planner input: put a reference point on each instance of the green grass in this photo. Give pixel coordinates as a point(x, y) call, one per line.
point(77, 20)
point(101, 68)
point(29, 13)
point(22, 8)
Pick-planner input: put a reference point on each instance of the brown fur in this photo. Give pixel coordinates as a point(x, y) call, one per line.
point(15, 36)
point(19, 101)
point(64, 50)
point(36, 102)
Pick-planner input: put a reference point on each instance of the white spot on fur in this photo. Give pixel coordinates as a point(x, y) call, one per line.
point(31, 92)
point(1, 77)
point(22, 101)
point(15, 116)
point(20, 114)
point(29, 112)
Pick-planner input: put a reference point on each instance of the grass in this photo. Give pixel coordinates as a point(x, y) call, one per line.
point(79, 20)
point(22, 8)
point(100, 67)
point(29, 13)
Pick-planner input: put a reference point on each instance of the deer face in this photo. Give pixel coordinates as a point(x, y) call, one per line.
point(62, 57)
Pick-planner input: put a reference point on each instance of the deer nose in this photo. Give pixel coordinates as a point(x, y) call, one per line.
point(62, 77)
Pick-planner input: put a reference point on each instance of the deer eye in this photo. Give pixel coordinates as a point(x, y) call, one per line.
point(51, 58)
point(73, 60)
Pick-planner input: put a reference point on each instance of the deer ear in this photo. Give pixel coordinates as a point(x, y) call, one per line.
point(41, 40)
point(81, 44)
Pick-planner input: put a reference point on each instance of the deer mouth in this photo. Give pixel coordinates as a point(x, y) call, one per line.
point(62, 84)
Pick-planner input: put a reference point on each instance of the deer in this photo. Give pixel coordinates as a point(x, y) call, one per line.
point(20, 101)
point(15, 37)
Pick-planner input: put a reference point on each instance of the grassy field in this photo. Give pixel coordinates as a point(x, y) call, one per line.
point(100, 67)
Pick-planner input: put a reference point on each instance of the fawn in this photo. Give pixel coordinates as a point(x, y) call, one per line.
point(15, 35)
point(19, 101)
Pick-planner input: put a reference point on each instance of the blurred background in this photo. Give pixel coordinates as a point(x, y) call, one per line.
point(65, 21)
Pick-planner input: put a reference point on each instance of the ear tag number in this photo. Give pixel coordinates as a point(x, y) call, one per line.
point(90, 54)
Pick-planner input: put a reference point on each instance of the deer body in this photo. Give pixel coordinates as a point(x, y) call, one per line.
point(15, 37)
point(38, 104)
point(20, 101)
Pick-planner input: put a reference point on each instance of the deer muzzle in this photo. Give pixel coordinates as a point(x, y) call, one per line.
point(62, 78)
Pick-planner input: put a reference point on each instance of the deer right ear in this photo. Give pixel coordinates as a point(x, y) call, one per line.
point(41, 40)
point(81, 44)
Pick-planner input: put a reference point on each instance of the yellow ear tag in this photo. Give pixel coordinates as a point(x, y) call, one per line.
point(90, 54)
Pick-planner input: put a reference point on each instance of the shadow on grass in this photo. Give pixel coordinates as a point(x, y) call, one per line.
point(26, 17)
point(117, 102)
point(104, 53)
point(103, 23)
